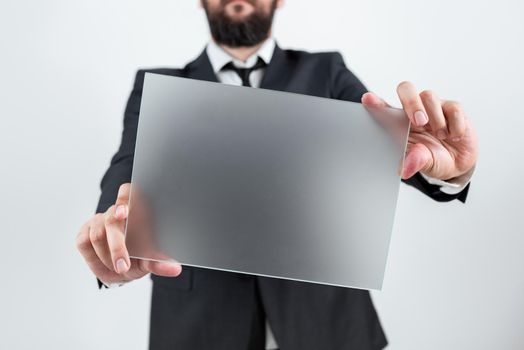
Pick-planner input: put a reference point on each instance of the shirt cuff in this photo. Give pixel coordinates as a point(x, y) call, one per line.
point(451, 186)
point(113, 285)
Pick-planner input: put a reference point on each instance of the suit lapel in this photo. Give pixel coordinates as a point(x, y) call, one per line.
point(278, 73)
point(201, 69)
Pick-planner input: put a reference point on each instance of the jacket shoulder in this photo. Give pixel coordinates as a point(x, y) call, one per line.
point(141, 72)
point(324, 56)
point(321, 64)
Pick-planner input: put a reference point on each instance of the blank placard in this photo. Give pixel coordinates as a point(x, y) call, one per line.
point(264, 182)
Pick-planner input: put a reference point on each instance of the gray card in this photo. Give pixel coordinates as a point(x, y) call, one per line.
point(263, 182)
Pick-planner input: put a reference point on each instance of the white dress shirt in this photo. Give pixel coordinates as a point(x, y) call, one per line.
point(219, 58)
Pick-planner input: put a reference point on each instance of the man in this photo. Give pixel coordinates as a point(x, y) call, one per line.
point(208, 309)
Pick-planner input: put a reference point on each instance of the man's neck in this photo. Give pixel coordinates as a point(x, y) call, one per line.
point(241, 53)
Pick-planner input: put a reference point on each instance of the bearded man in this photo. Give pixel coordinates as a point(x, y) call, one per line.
point(198, 308)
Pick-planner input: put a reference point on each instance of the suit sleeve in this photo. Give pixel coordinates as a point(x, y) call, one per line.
point(346, 86)
point(121, 166)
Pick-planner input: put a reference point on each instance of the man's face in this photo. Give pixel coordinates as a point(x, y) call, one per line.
point(238, 23)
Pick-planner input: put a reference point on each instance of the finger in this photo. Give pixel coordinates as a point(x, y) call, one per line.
point(435, 114)
point(418, 158)
point(116, 240)
point(161, 268)
point(83, 242)
point(456, 119)
point(412, 104)
point(85, 247)
point(98, 237)
point(371, 99)
point(122, 201)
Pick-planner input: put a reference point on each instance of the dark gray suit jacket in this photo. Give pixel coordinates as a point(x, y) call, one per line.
point(208, 309)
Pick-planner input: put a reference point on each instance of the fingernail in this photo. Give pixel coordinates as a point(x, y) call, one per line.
point(442, 134)
point(121, 266)
point(456, 139)
point(120, 211)
point(420, 118)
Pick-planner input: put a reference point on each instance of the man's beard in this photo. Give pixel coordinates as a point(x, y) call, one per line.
point(250, 31)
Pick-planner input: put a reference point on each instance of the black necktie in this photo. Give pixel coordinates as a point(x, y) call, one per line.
point(244, 73)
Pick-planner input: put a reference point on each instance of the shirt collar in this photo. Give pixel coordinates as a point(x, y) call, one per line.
point(219, 58)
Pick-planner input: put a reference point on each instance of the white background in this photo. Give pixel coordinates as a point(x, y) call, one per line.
point(455, 276)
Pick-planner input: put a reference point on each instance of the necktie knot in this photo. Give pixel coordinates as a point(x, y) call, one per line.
point(244, 73)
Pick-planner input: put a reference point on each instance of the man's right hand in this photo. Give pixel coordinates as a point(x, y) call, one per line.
point(101, 241)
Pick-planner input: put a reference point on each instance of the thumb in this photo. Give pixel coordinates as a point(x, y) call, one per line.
point(373, 100)
point(418, 158)
point(166, 268)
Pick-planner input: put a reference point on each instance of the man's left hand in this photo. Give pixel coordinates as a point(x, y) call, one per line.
point(442, 143)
